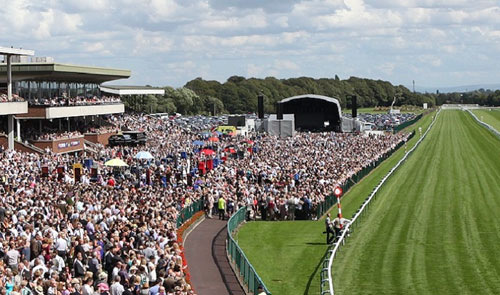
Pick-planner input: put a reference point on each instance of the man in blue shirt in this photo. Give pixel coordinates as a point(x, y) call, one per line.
point(156, 288)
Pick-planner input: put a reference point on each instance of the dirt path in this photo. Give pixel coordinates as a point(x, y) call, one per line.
point(210, 271)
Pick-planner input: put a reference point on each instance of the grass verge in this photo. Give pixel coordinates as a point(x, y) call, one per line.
point(491, 118)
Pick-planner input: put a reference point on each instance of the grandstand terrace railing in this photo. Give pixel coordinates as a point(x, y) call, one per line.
point(188, 211)
point(326, 272)
point(237, 256)
point(331, 200)
point(54, 105)
point(74, 101)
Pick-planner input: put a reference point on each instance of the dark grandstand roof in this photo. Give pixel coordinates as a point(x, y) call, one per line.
point(315, 96)
point(58, 72)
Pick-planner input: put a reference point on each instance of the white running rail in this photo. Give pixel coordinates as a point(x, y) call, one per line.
point(341, 240)
point(484, 124)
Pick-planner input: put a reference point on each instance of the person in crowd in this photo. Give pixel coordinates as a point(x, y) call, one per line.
point(221, 205)
point(339, 224)
point(330, 233)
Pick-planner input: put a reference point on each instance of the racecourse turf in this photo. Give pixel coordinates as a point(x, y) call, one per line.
point(434, 227)
point(489, 117)
point(287, 255)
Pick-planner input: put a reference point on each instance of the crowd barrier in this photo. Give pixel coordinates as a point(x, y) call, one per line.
point(326, 282)
point(331, 200)
point(407, 123)
point(484, 124)
point(188, 211)
point(236, 256)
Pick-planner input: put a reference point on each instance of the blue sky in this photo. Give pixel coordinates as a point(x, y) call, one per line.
point(169, 42)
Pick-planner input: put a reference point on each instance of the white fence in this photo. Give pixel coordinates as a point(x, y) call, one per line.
point(342, 239)
point(484, 124)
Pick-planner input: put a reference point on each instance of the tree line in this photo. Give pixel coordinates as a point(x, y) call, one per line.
point(239, 95)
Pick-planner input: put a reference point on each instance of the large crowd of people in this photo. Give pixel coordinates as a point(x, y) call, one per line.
point(50, 132)
point(75, 101)
point(116, 233)
point(5, 98)
point(55, 135)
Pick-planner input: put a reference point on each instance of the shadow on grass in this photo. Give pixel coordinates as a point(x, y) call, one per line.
point(306, 291)
point(316, 244)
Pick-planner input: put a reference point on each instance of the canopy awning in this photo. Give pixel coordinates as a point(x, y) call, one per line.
point(132, 90)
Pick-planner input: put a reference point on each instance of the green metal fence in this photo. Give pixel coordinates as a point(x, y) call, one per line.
point(238, 258)
point(331, 200)
point(188, 212)
point(407, 123)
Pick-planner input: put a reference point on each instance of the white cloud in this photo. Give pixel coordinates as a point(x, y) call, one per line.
point(430, 60)
point(387, 68)
point(390, 39)
point(251, 21)
point(86, 6)
point(22, 19)
point(146, 43)
point(286, 65)
point(254, 70)
point(281, 21)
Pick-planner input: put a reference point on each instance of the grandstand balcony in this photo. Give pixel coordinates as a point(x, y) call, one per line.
point(55, 112)
point(62, 145)
point(13, 108)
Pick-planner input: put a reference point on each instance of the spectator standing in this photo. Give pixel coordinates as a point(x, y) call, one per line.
point(330, 233)
point(222, 207)
point(117, 287)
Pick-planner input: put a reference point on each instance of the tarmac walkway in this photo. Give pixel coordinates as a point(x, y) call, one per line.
point(205, 250)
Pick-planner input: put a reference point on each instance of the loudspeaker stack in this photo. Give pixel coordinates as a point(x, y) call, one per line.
point(260, 106)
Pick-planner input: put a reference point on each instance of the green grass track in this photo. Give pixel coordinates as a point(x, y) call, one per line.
point(435, 226)
point(287, 255)
point(491, 118)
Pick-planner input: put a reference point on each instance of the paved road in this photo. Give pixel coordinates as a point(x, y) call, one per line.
point(210, 271)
